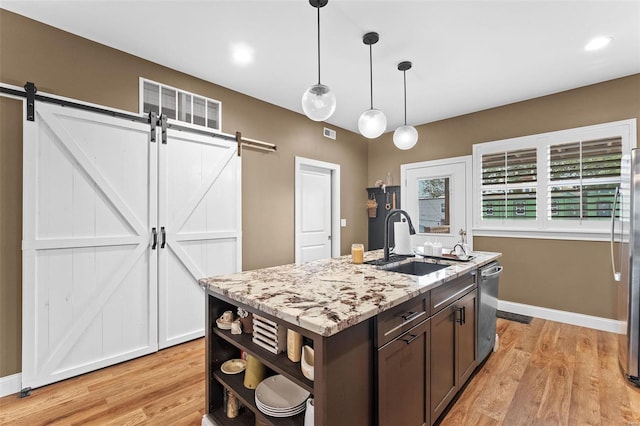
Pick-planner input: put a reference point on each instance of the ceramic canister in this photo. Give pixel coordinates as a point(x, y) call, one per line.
point(294, 345)
point(254, 373)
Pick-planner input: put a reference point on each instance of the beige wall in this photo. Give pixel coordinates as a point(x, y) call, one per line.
point(67, 65)
point(571, 276)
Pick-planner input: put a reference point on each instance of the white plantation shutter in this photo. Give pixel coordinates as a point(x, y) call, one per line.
point(509, 181)
point(582, 179)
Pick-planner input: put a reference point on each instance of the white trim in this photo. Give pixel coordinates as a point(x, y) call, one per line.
point(207, 421)
point(546, 235)
point(10, 384)
point(573, 318)
point(335, 204)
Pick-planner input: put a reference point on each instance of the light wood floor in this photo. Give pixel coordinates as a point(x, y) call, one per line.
point(545, 373)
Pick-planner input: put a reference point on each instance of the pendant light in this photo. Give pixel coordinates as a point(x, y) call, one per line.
point(372, 123)
point(405, 137)
point(318, 101)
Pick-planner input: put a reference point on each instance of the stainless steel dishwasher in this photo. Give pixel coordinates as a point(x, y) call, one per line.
point(489, 276)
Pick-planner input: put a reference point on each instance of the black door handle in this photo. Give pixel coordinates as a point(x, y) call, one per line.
point(458, 319)
point(164, 237)
point(464, 315)
point(155, 238)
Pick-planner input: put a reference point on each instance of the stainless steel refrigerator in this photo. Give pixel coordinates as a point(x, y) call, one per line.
point(625, 232)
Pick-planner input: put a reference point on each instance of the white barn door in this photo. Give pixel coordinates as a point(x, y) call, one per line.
point(89, 277)
point(199, 209)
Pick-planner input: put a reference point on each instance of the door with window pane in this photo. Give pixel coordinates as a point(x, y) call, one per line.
point(437, 196)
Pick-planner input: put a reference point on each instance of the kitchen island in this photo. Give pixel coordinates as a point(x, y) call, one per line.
point(348, 313)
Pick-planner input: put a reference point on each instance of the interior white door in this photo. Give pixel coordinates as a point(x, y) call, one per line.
point(200, 228)
point(315, 213)
point(437, 196)
point(89, 292)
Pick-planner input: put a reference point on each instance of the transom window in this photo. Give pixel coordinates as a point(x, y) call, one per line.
point(179, 105)
point(553, 183)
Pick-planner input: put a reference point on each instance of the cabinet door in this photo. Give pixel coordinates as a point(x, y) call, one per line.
point(403, 371)
point(467, 338)
point(443, 360)
point(89, 285)
point(199, 199)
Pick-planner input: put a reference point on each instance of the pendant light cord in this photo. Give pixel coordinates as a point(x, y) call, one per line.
point(371, 74)
point(404, 73)
point(318, 7)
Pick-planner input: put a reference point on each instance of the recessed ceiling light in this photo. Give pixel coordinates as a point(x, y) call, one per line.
point(598, 43)
point(241, 54)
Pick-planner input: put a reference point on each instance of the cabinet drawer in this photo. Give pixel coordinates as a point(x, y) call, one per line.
point(448, 293)
point(397, 320)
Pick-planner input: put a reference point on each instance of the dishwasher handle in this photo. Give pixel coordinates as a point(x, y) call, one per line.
point(494, 273)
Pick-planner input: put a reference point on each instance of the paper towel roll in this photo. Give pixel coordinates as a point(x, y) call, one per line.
point(401, 237)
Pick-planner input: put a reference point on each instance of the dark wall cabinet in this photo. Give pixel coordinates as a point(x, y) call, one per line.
point(453, 350)
point(376, 224)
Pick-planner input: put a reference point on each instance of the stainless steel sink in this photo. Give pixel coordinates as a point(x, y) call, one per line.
point(415, 268)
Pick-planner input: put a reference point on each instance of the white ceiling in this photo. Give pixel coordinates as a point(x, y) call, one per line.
point(467, 55)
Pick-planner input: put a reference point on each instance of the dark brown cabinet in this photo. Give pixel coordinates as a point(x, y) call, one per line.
point(453, 350)
point(467, 338)
point(403, 372)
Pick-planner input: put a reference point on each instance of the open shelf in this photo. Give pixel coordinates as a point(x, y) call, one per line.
point(235, 383)
point(278, 363)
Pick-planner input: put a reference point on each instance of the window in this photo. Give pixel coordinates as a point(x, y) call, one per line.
point(433, 205)
point(179, 105)
point(554, 185)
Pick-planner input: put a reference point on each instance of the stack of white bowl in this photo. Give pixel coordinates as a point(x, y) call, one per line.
point(278, 396)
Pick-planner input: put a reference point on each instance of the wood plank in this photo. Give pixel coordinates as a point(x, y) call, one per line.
point(585, 404)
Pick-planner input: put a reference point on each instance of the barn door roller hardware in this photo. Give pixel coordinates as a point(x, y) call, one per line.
point(253, 143)
point(31, 89)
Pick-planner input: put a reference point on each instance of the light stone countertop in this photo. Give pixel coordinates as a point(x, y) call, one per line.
point(327, 296)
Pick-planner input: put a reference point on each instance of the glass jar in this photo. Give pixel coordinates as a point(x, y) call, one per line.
point(357, 253)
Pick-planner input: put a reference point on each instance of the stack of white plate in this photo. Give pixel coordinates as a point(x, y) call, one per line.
point(278, 396)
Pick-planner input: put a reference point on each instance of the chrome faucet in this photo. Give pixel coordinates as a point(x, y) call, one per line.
point(412, 231)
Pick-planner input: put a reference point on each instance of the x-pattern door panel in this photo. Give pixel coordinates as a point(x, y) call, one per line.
point(199, 208)
point(89, 294)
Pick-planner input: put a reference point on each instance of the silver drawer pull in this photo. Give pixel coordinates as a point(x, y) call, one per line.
point(453, 296)
point(410, 338)
point(397, 327)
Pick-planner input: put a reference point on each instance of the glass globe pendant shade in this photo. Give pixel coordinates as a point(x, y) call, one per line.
point(318, 102)
point(372, 123)
point(405, 137)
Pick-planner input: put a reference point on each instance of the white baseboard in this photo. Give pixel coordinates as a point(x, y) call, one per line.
point(598, 323)
point(10, 384)
point(206, 421)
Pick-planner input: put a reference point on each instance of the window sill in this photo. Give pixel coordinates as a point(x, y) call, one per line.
point(593, 235)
